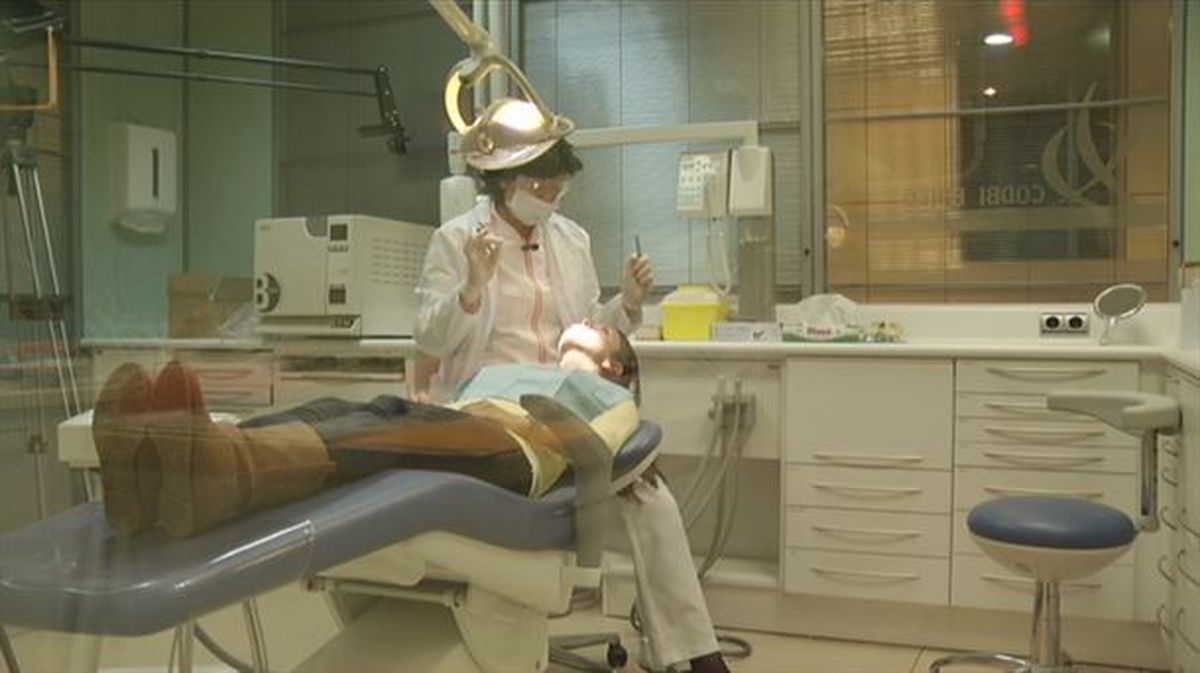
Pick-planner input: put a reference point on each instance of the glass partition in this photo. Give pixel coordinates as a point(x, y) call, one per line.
point(996, 151)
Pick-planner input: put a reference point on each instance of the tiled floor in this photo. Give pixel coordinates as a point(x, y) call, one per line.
point(297, 623)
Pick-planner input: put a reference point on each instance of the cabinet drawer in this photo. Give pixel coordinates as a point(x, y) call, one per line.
point(1185, 624)
point(861, 488)
point(234, 380)
point(1043, 433)
point(871, 576)
point(878, 532)
point(980, 582)
point(1039, 376)
point(873, 412)
point(1066, 458)
point(975, 485)
point(963, 544)
point(1011, 407)
point(290, 391)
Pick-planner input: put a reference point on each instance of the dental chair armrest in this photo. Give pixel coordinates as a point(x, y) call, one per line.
point(1132, 412)
point(591, 460)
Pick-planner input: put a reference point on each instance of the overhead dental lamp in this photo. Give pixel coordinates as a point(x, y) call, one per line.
point(510, 131)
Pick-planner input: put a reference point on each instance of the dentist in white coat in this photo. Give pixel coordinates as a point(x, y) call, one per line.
point(503, 280)
point(500, 284)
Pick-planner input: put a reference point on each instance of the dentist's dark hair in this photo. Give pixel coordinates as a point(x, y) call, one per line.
point(559, 160)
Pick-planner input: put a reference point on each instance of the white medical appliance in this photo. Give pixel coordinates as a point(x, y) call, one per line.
point(735, 184)
point(143, 177)
point(338, 275)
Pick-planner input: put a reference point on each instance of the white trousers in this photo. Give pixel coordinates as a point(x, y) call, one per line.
point(671, 605)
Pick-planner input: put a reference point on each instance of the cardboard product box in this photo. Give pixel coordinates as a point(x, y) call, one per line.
point(748, 332)
point(200, 303)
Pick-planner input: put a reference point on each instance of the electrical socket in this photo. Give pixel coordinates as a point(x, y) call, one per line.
point(1053, 324)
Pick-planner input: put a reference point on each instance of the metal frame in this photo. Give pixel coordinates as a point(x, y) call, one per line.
point(1176, 201)
point(389, 115)
point(813, 120)
point(812, 147)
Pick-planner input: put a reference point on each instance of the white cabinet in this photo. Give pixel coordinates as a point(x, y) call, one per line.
point(868, 445)
point(678, 394)
point(1008, 444)
point(1179, 614)
point(233, 380)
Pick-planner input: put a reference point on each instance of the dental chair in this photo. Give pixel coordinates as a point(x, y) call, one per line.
point(502, 564)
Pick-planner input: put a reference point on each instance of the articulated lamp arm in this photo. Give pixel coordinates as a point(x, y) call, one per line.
point(484, 60)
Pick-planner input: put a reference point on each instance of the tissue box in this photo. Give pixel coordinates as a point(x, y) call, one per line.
point(748, 332)
point(199, 303)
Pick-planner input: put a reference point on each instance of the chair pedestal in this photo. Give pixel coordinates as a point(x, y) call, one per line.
point(1046, 653)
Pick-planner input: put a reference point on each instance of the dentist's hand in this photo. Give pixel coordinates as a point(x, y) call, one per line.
point(639, 278)
point(483, 255)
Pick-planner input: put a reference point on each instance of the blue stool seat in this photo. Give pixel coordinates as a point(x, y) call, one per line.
point(1058, 523)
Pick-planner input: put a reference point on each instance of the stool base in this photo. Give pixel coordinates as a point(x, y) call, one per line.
point(1012, 664)
point(1046, 655)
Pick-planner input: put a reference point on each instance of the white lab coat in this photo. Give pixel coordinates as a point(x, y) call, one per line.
point(459, 339)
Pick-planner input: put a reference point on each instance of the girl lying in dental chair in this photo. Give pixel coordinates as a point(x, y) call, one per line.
point(163, 461)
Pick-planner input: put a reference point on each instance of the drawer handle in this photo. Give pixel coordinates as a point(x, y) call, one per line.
point(879, 491)
point(866, 458)
point(1163, 571)
point(1162, 623)
point(868, 575)
point(1181, 568)
point(1183, 632)
point(1015, 490)
point(1041, 458)
point(1183, 523)
point(1025, 582)
point(866, 532)
point(349, 378)
point(1162, 516)
point(1027, 409)
point(1042, 373)
point(222, 373)
point(1043, 433)
point(1169, 478)
point(227, 395)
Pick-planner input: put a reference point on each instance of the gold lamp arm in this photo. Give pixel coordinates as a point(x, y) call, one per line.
point(484, 60)
point(478, 39)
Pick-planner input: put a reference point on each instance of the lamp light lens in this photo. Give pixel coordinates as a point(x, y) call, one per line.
point(519, 115)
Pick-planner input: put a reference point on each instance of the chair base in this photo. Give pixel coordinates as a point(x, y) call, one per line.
point(615, 657)
point(1046, 654)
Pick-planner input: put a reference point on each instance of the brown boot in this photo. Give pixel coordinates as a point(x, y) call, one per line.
point(285, 462)
point(176, 389)
point(212, 473)
point(119, 432)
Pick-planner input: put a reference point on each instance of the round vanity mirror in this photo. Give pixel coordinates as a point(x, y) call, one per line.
point(1117, 303)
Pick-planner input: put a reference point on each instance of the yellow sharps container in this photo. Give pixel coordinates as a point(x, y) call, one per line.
point(689, 313)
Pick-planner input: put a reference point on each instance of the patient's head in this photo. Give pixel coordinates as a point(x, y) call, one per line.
point(604, 350)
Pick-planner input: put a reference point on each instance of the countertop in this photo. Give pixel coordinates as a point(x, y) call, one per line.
point(1185, 360)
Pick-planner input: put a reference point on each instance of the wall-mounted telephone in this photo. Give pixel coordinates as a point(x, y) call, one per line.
point(735, 183)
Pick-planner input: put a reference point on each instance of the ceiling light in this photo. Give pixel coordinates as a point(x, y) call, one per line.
point(990, 91)
point(998, 39)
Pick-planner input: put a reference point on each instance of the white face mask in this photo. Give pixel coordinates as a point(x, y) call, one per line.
point(530, 209)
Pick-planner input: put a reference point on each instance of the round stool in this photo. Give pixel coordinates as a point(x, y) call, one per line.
point(1050, 540)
